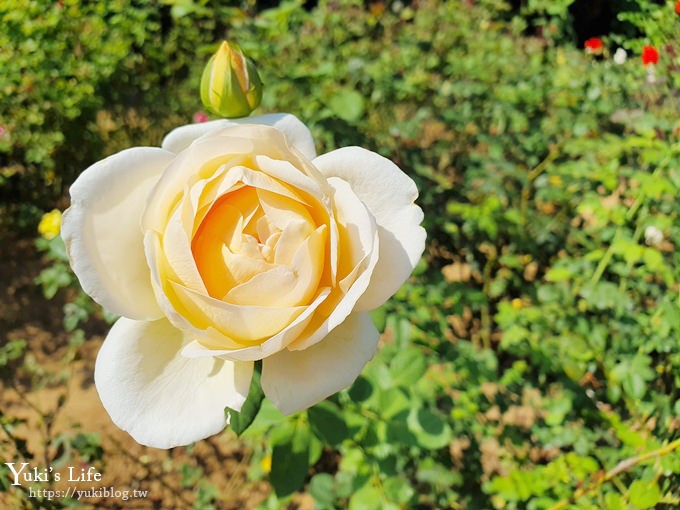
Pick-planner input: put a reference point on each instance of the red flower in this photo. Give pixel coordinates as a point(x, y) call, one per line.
point(677, 7)
point(649, 55)
point(593, 45)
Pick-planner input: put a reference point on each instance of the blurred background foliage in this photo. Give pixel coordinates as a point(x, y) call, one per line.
point(533, 359)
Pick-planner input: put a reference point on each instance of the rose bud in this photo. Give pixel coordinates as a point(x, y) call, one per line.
point(230, 85)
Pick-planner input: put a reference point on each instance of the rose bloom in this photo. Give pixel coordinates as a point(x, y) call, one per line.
point(593, 45)
point(649, 55)
point(235, 242)
point(620, 56)
point(677, 7)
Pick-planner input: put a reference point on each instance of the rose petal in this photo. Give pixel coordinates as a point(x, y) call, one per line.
point(267, 348)
point(159, 397)
point(295, 380)
point(176, 244)
point(246, 323)
point(389, 194)
point(303, 178)
point(281, 210)
point(358, 235)
point(286, 286)
point(210, 157)
point(103, 233)
point(296, 133)
point(200, 161)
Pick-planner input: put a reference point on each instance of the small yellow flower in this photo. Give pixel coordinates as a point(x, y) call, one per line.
point(555, 180)
point(266, 463)
point(50, 224)
point(516, 303)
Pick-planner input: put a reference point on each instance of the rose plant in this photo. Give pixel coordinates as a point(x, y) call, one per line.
point(234, 242)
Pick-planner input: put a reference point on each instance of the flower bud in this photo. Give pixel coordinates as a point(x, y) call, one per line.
point(230, 85)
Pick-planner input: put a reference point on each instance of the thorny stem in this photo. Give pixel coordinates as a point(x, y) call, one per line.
point(621, 467)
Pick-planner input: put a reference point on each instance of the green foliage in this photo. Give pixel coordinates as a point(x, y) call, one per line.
point(290, 457)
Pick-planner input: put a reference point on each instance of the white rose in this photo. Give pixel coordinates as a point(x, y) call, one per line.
point(233, 243)
point(653, 236)
point(620, 56)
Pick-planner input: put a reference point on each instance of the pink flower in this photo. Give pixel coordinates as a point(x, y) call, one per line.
point(200, 117)
point(594, 45)
point(649, 55)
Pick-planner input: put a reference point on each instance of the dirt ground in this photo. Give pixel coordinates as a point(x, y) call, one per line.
point(50, 390)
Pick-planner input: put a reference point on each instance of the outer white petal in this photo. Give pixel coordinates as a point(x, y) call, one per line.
point(296, 380)
point(389, 194)
point(297, 134)
point(102, 230)
point(161, 398)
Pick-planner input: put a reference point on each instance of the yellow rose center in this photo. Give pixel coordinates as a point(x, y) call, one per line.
point(258, 247)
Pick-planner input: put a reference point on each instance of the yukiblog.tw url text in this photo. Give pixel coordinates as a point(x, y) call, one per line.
point(92, 492)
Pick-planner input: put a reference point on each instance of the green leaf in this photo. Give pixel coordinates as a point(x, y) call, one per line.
point(361, 390)
point(614, 501)
point(644, 494)
point(379, 317)
point(315, 450)
point(407, 367)
point(290, 459)
point(354, 460)
point(398, 490)
point(437, 475)
point(652, 259)
point(322, 489)
point(430, 428)
point(366, 498)
point(557, 408)
point(402, 331)
point(634, 385)
point(344, 484)
point(239, 421)
point(327, 423)
point(398, 431)
point(348, 104)
point(268, 416)
point(391, 402)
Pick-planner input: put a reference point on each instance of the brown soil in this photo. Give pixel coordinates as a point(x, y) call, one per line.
point(48, 396)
